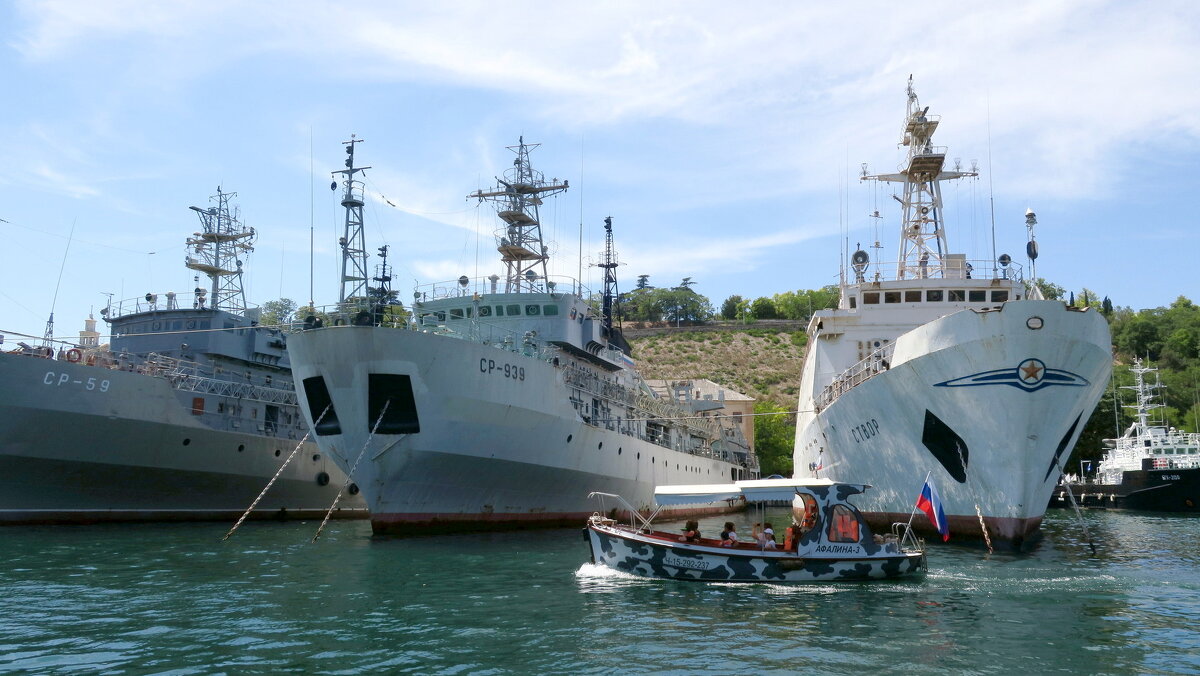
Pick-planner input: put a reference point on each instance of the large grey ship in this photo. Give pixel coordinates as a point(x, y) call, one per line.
point(494, 408)
point(186, 414)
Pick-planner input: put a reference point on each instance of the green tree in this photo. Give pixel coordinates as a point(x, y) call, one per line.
point(729, 309)
point(763, 308)
point(774, 438)
point(1049, 291)
point(277, 312)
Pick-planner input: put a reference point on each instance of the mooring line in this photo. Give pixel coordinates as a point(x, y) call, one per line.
point(350, 474)
point(272, 481)
point(1075, 506)
point(987, 539)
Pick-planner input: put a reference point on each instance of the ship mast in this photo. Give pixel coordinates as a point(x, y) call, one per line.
point(610, 275)
point(353, 242)
point(217, 247)
point(1145, 395)
point(922, 234)
point(517, 197)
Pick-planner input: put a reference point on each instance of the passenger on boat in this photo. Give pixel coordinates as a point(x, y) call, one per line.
point(765, 536)
point(729, 536)
point(691, 532)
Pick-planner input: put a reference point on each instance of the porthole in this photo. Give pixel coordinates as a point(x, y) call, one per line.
point(600, 445)
point(316, 457)
point(186, 442)
point(278, 452)
point(618, 451)
point(1034, 323)
point(569, 438)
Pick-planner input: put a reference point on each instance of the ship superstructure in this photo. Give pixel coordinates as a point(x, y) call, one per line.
point(501, 406)
point(946, 364)
point(185, 414)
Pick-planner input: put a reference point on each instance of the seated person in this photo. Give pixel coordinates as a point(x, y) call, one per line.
point(729, 536)
point(766, 537)
point(691, 532)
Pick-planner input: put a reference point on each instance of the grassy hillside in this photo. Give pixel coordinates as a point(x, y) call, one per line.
point(761, 363)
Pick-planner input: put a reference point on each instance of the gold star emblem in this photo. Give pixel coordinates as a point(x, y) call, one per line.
point(1032, 371)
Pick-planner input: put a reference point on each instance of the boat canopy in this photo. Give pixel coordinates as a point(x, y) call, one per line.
point(756, 490)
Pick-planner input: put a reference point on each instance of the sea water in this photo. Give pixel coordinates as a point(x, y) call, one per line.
point(176, 599)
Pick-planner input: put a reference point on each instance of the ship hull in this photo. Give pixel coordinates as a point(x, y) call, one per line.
point(499, 444)
point(957, 383)
point(1150, 490)
point(82, 444)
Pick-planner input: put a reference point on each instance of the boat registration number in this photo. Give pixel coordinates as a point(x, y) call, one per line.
point(60, 379)
point(507, 370)
point(685, 563)
point(1170, 477)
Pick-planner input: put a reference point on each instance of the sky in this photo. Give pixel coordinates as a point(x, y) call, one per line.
point(724, 139)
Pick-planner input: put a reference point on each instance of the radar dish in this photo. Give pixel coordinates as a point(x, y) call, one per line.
point(1005, 259)
point(860, 259)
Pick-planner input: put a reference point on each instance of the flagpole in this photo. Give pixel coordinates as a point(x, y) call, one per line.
point(914, 512)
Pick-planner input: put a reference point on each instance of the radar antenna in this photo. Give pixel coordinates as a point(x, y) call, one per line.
point(922, 234)
point(354, 247)
point(217, 248)
point(517, 197)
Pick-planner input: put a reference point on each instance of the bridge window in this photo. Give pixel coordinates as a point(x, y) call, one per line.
point(934, 296)
point(977, 295)
point(532, 309)
point(485, 310)
point(456, 313)
point(891, 296)
point(512, 310)
point(957, 295)
point(871, 298)
point(852, 303)
point(549, 310)
point(912, 296)
point(1000, 296)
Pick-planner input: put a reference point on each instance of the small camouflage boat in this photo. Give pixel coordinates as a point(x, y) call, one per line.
point(830, 540)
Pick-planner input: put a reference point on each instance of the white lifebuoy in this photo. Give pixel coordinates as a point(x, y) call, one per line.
point(74, 355)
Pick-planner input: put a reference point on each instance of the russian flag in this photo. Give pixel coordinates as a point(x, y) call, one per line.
point(929, 502)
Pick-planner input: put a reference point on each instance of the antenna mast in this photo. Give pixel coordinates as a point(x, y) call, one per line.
point(517, 197)
point(610, 275)
point(381, 295)
point(922, 235)
point(353, 242)
point(217, 247)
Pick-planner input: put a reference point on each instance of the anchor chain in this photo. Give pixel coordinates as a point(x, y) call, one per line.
point(987, 539)
point(272, 481)
point(350, 473)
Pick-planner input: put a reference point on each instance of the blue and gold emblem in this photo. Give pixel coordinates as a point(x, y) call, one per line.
point(1030, 375)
